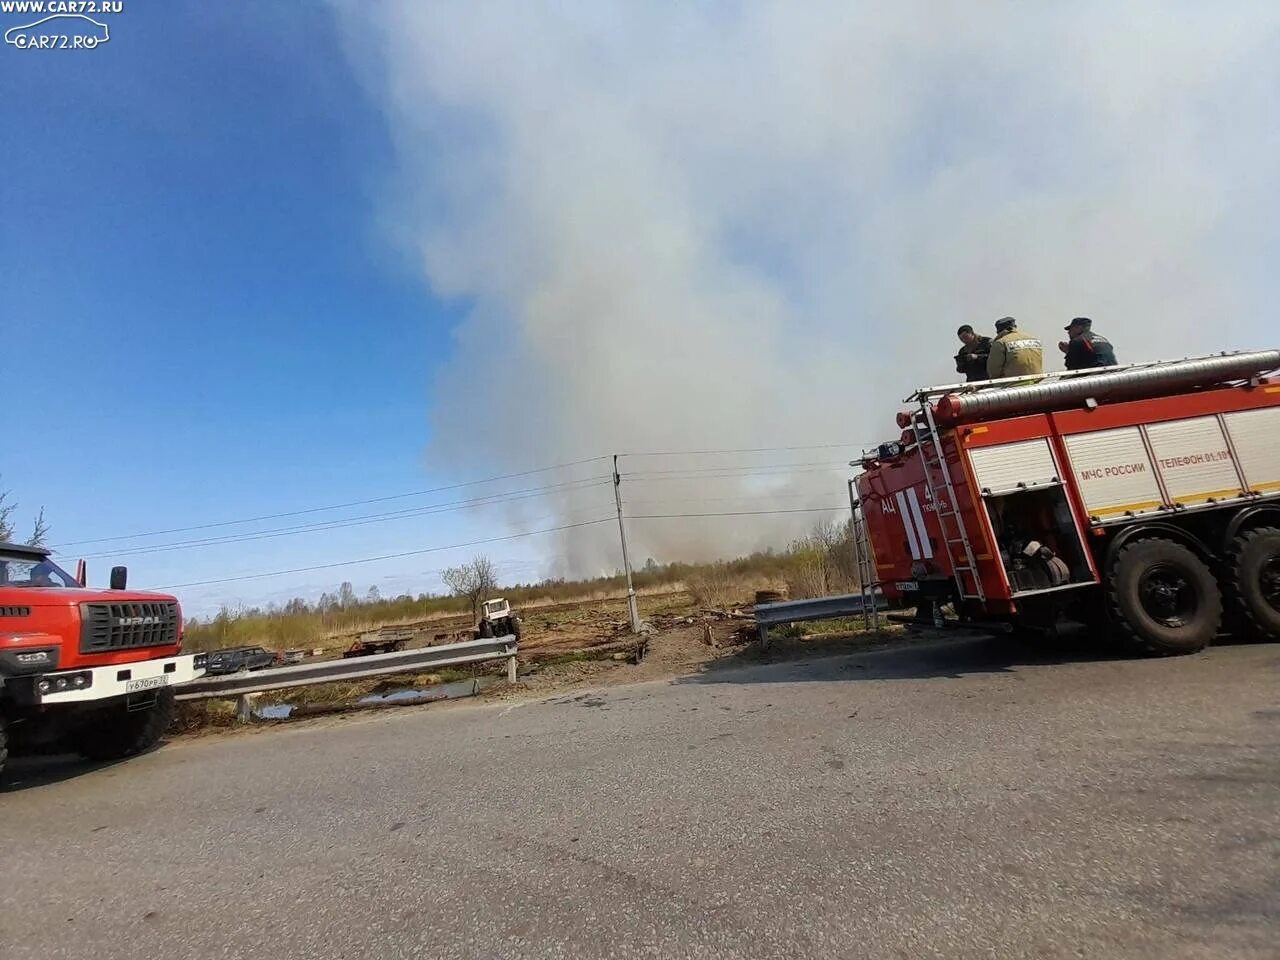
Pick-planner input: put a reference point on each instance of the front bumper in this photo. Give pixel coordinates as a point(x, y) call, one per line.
point(117, 680)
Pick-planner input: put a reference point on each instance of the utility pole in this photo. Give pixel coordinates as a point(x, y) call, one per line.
point(632, 610)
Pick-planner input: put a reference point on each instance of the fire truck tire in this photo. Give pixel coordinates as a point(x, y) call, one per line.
point(1164, 598)
point(1254, 588)
point(123, 733)
point(4, 743)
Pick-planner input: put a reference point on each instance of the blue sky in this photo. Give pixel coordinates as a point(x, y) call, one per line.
point(201, 322)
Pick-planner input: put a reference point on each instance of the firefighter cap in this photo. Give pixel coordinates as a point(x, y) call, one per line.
point(1079, 322)
point(1005, 323)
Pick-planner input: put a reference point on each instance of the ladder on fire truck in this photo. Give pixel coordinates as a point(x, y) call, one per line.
point(867, 582)
point(950, 519)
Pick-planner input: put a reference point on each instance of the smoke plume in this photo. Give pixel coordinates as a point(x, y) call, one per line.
point(724, 225)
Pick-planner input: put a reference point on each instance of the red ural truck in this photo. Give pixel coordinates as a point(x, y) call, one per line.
point(84, 671)
point(1144, 498)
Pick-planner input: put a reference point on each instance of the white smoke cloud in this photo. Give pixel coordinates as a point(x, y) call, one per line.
point(755, 224)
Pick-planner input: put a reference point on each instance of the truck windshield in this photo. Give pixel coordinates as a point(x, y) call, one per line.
point(26, 571)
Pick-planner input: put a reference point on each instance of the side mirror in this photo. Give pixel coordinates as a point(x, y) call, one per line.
point(119, 577)
point(82, 574)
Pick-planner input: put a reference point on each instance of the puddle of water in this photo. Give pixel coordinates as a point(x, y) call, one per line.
point(444, 691)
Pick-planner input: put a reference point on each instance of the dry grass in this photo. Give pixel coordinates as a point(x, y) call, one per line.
point(719, 588)
point(809, 579)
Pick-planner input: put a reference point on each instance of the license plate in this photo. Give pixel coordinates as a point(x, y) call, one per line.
point(906, 586)
point(146, 683)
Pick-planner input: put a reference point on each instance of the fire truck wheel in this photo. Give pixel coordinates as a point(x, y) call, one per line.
point(1254, 590)
point(124, 733)
point(1164, 597)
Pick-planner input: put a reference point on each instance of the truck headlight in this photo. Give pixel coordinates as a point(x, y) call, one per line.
point(61, 683)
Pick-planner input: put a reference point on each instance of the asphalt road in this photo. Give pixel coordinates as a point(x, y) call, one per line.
point(957, 800)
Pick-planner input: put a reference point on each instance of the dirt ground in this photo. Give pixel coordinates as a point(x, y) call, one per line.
point(553, 629)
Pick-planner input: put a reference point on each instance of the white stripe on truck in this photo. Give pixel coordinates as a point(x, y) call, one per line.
point(926, 548)
point(908, 524)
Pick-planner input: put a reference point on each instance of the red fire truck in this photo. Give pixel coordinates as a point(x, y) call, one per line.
point(1144, 497)
point(84, 670)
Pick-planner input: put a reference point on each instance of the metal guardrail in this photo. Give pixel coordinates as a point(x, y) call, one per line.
point(819, 608)
point(374, 665)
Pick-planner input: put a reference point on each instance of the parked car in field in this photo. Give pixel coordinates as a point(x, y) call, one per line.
point(235, 659)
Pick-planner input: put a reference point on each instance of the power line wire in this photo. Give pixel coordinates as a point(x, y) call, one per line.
point(645, 478)
point(734, 513)
point(732, 466)
point(694, 453)
point(747, 497)
point(474, 543)
point(428, 510)
point(333, 506)
point(445, 488)
point(389, 556)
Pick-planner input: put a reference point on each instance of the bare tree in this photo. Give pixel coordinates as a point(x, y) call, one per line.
point(346, 595)
point(40, 531)
point(6, 517)
point(472, 580)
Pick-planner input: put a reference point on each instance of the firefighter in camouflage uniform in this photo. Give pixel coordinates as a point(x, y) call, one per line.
point(1014, 353)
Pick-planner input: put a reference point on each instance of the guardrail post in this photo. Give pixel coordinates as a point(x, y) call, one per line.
point(764, 636)
point(511, 669)
point(244, 707)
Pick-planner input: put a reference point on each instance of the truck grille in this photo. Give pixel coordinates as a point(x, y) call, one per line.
point(106, 627)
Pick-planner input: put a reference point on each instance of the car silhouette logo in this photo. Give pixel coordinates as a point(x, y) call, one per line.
point(28, 37)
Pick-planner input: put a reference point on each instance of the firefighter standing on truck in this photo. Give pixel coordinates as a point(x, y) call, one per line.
point(1086, 349)
point(1013, 353)
point(972, 358)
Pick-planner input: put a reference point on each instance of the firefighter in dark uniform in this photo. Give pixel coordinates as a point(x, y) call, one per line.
point(972, 358)
point(1086, 349)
